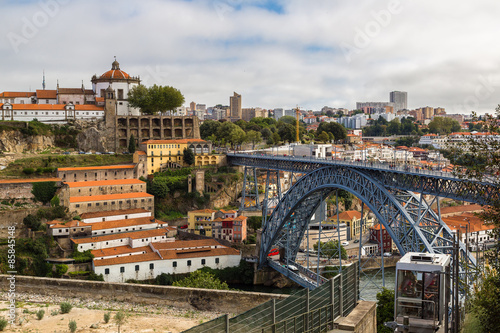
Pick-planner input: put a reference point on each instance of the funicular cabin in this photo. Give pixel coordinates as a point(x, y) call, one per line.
point(422, 291)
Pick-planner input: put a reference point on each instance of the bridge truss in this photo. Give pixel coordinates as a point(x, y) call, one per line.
point(394, 195)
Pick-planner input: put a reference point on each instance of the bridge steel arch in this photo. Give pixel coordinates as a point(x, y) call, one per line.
point(410, 222)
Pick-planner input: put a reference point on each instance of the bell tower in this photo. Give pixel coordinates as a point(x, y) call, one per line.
point(110, 107)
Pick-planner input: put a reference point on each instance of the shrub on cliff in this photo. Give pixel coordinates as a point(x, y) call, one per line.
point(201, 279)
point(44, 191)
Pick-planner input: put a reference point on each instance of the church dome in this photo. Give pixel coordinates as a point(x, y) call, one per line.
point(115, 72)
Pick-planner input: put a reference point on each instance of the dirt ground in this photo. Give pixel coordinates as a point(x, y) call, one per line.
point(139, 321)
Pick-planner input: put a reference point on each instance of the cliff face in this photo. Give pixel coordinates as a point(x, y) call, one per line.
point(16, 142)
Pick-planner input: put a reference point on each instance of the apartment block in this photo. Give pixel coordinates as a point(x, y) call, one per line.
point(94, 203)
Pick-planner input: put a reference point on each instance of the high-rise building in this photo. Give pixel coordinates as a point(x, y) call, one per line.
point(400, 100)
point(235, 107)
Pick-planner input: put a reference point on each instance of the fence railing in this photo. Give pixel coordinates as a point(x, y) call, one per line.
point(305, 308)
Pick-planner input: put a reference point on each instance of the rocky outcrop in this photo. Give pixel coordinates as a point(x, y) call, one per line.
point(91, 139)
point(15, 142)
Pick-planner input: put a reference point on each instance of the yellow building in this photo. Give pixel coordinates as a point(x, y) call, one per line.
point(352, 219)
point(166, 154)
point(201, 221)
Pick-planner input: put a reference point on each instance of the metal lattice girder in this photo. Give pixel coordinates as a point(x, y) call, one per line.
point(412, 225)
point(427, 182)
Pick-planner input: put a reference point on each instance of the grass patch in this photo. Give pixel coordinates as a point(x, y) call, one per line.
point(42, 162)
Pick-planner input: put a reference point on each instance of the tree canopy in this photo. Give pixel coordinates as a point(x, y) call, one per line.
point(338, 131)
point(155, 98)
point(201, 279)
point(44, 191)
point(331, 249)
point(188, 156)
point(442, 125)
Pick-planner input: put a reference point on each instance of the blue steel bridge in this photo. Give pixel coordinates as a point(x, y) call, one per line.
point(395, 194)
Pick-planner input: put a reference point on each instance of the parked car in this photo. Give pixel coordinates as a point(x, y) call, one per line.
point(345, 243)
point(356, 241)
point(66, 153)
point(81, 152)
point(183, 226)
point(293, 268)
point(387, 254)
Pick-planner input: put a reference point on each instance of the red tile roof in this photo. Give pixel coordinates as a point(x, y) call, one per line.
point(113, 213)
point(349, 215)
point(120, 250)
point(110, 197)
point(132, 235)
point(102, 167)
point(14, 94)
point(115, 74)
point(123, 223)
point(151, 256)
point(185, 244)
point(173, 141)
point(46, 94)
point(105, 182)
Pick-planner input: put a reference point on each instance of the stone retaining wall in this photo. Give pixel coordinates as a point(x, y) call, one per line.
point(225, 301)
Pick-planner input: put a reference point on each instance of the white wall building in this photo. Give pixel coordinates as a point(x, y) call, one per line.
point(113, 215)
point(178, 257)
point(51, 113)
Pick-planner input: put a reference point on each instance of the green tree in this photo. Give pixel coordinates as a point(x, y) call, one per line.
point(131, 144)
point(286, 131)
point(331, 248)
point(275, 139)
point(441, 125)
point(201, 279)
point(55, 201)
point(339, 131)
point(158, 187)
point(237, 136)
point(209, 128)
point(188, 156)
point(266, 133)
point(323, 136)
point(155, 98)
point(61, 269)
point(120, 318)
point(33, 222)
point(394, 127)
point(44, 191)
point(253, 137)
point(385, 309)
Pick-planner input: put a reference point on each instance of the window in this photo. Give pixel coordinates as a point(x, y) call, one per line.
point(174, 264)
point(151, 266)
point(122, 269)
point(136, 268)
point(77, 205)
point(216, 260)
point(189, 263)
point(89, 205)
point(106, 271)
point(203, 261)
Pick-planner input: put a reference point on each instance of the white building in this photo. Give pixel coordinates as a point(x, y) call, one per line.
point(51, 113)
point(132, 238)
point(121, 83)
point(177, 257)
point(113, 215)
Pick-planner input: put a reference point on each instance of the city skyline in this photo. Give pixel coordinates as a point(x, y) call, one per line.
point(276, 54)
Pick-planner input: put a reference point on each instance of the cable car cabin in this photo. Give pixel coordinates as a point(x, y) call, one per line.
point(422, 291)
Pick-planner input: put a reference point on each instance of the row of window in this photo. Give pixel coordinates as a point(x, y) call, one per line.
point(112, 203)
point(102, 188)
point(152, 266)
point(56, 113)
point(164, 146)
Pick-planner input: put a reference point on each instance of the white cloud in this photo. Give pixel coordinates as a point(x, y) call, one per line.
point(442, 53)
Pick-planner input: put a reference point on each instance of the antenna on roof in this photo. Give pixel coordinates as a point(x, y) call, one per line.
point(43, 82)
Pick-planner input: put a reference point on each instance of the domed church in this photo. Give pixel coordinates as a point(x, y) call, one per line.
point(121, 83)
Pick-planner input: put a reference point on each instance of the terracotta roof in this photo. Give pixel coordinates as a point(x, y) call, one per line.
point(54, 222)
point(132, 235)
point(228, 211)
point(102, 167)
point(182, 254)
point(57, 226)
point(460, 209)
point(76, 223)
point(105, 182)
point(70, 91)
point(46, 94)
point(99, 99)
point(349, 215)
point(127, 259)
point(377, 226)
point(29, 180)
point(115, 74)
point(204, 211)
point(185, 244)
point(14, 94)
point(173, 141)
point(123, 223)
point(110, 197)
point(113, 251)
point(113, 213)
point(88, 107)
point(459, 222)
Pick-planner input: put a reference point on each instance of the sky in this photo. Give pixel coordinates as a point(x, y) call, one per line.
point(276, 54)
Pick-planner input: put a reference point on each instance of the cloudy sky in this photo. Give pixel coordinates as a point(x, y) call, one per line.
point(279, 53)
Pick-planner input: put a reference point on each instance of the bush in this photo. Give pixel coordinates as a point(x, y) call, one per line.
point(28, 171)
point(40, 314)
point(94, 277)
point(55, 201)
point(61, 269)
point(44, 191)
point(66, 307)
point(72, 326)
point(107, 316)
point(3, 323)
point(33, 222)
